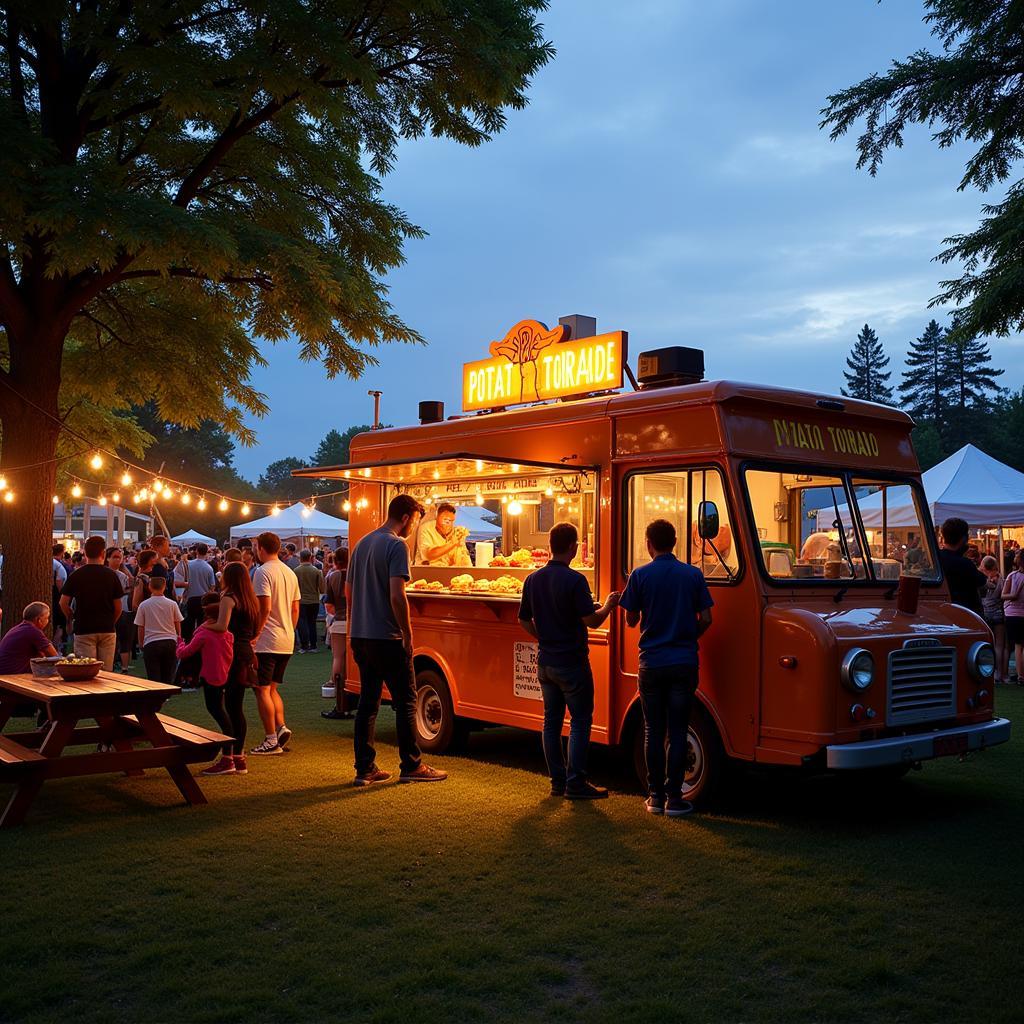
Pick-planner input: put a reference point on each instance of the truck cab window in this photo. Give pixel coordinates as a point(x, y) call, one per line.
point(676, 495)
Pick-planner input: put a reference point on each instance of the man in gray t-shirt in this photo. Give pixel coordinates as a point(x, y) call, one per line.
point(380, 631)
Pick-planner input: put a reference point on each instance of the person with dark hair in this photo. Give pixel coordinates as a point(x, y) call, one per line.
point(125, 627)
point(672, 605)
point(440, 542)
point(215, 648)
point(337, 634)
point(557, 608)
point(381, 633)
point(144, 564)
point(311, 586)
point(277, 592)
point(963, 576)
point(158, 622)
point(96, 592)
point(26, 640)
point(239, 613)
point(60, 577)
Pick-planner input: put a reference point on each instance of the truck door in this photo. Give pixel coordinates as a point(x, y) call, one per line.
point(729, 658)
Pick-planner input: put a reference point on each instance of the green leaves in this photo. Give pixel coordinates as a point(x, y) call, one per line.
point(973, 92)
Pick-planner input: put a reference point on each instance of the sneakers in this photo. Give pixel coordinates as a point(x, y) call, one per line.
point(677, 807)
point(423, 774)
point(225, 766)
point(654, 805)
point(368, 778)
point(557, 790)
point(588, 791)
point(241, 768)
point(266, 747)
point(284, 734)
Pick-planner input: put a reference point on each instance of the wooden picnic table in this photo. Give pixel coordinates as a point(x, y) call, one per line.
point(125, 711)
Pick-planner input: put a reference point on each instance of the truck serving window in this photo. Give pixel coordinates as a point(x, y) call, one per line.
point(804, 526)
point(676, 495)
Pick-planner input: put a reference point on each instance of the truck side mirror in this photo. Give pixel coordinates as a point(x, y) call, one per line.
point(707, 520)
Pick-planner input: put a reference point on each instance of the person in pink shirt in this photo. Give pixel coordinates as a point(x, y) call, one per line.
point(1013, 606)
point(215, 650)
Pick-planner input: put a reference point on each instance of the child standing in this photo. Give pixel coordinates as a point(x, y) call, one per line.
point(158, 621)
point(216, 650)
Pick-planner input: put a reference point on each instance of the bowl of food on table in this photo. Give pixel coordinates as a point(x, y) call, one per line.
point(77, 670)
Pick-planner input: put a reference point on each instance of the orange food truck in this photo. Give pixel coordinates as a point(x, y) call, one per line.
point(809, 662)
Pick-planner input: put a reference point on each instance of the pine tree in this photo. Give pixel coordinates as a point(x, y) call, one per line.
point(965, 366)
point(924, 388)
point(868, 377)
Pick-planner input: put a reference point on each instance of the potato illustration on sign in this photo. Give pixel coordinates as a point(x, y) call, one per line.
point(523, 344)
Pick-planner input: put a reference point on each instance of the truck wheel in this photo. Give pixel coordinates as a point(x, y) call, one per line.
point(705, 758)
point(437, 727)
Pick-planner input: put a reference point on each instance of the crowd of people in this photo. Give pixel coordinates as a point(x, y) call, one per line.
point(222, 620)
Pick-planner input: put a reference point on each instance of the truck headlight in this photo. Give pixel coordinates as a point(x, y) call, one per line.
point(981, 661)
point(858, 669)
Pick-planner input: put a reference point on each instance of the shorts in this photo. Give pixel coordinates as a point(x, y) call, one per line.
point(338, 626)
point(1015, 629)
point(270, 668)
point(125, 630)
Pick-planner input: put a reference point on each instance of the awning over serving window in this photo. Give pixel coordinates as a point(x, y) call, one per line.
point(458, 467)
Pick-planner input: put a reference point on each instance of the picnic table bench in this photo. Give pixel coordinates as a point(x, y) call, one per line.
point(125, 711)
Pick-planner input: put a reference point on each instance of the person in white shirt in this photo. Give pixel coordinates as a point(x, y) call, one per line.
point(440, 542)
point(277, 591)
point(158, 620)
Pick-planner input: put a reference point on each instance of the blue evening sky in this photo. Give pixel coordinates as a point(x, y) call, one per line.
point(669, 178)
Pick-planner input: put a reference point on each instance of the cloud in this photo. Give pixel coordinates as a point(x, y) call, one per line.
point(792, 154)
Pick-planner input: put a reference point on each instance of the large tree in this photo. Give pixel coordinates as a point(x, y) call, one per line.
point(181, 180)
point(970, 94)
point(924, 387)
point(277, 481)
point(866, 374)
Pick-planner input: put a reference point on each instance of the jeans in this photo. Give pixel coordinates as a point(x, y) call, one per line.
point(380, 662)
point(667, 696)
point(571, 688)
point(160, 660)
point(226, 705)
point(101, 646)
point(307, 626)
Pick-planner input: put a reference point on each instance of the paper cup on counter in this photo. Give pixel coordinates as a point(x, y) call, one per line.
point(484, 553)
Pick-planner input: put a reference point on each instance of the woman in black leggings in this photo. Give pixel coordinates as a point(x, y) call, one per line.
point(239, 613)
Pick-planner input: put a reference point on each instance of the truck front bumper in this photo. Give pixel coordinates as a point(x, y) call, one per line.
point(918, 746)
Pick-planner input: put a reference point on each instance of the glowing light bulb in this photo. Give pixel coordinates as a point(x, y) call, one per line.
point(245, 510)
point(56, 500)
point(346, 506)
point(504, 499)
point(96, 461)
point(76, 491)
point(479, 465)
point(275, 511)
point(437, 475)
point(549, 492)
point(3, 483)
point(561, 500)
point(126, 479)
point(201, 504)
point(143, 494)
point(158, 486)
point(186, 498)
point(347, 474)
point(115, 497)
point(479, 499)
point(103, 499)
point(307, 511)
point(428, 501)
point(137, 499)
point(515, 467)
point(9, 497)
point(514, 508)
point(223, 506)
point(366, 472)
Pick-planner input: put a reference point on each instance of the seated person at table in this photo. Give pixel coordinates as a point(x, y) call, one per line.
point(27, 640)
point(440, 541)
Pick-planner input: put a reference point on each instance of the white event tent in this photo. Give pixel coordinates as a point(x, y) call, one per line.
point(192, 537)
point(968, 485)
point(477, 522)
point(295, 523)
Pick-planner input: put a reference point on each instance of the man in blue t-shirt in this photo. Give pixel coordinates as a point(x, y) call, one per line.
point(556, 608)
point(672, 605)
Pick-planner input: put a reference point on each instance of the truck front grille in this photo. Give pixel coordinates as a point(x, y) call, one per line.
point(922, 684)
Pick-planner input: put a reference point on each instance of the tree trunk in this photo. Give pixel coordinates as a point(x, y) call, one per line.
point(26, 523)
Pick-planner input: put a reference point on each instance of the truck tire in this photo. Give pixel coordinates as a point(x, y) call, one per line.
point(437, 727)
point(705, 758)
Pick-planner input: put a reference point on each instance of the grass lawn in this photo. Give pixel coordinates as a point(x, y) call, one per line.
point(293, 896)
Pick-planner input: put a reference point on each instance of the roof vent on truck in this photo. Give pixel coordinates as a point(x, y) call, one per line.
point(668, 367)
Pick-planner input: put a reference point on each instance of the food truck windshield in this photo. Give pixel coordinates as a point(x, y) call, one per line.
point(839, 527)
